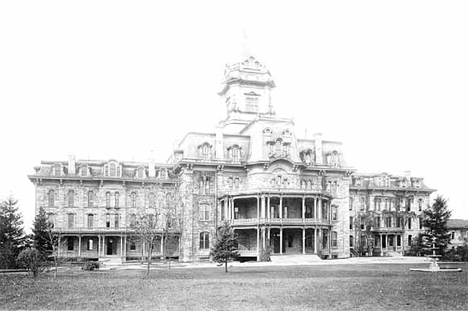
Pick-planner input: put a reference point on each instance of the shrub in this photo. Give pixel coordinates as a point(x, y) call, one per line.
point(91, 265)
point(30, 259)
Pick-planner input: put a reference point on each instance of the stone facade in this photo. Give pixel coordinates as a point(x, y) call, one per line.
point(278, 191)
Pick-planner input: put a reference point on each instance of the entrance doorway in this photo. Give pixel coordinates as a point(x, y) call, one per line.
point(110, 246)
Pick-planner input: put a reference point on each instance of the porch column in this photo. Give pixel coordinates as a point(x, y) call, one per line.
point(281, 208)
point(386, 241)
point(125, 246)
point(315, 240)
point(258, 207)
point(281, 240)
point(121, 246)
point(98, 245)
point(162, 247)
point(381, 245)
point(315, 208)
point(303, 208)
point(263, 211)
point(303, 240)
point(269, 232)
point(268, 208)
point(263, 237)
point(258, 243)
point(319, 212)
point(232, 209)
point(79, 245)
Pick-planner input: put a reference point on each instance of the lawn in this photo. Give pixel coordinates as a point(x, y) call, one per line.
point(319, 287)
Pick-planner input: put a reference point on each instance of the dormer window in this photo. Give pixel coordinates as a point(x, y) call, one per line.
point(204, 151)
point(163, 173)
point(140, 173)
point(84, 171)
point(57, 169)
point(112, 170)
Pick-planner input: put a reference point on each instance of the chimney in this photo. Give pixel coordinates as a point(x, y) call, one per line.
point(318, 148)
point(408, 175)
point(71, 165)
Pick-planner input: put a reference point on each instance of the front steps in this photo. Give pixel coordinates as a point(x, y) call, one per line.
point(295, 258)
point(110, 261)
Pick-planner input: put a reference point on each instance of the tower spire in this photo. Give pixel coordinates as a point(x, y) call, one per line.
point(245, 53)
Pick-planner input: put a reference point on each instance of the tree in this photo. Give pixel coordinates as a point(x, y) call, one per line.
point(435, 223)
point(11, 233)
point(30, 259)
point(172, 224)
point(41, 228)
point(225, 247)
point(146, 232)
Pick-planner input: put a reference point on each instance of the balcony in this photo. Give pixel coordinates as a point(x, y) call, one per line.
point(279, 221)
point(100, 230)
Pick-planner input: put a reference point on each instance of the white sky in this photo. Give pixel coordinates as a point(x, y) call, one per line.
point(115, 79)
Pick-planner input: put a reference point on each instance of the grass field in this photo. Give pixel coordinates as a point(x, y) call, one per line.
point(320, 287)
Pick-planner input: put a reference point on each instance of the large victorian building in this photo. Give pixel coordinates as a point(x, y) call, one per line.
point(280, 192)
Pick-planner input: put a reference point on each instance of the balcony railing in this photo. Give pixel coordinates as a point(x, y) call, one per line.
point(279, 221)
point(123, 229)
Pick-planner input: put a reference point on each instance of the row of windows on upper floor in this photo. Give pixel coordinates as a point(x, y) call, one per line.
point(111, 199)
point(387, 181)
point(114, 220)
point(389, 204)
point(113, 170)
point(384, 222)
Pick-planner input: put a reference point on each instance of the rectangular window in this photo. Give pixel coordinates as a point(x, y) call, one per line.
point(108, 195)
point(410, 238)
point(90, 220)
point(351, 241)
point(117, 220)
point(351, 223)
point(117, 196)
point(71, 221)
point(204, 240)
point(51, 219)
point(334, 213)
point(420, 223)
point(290, 241)
point(70, 243)
point(398, 240)
point(132, 221)
point(90, 245)
point(204, 212)
point(334, 239)
point(350, 204)
point(251, 104)
point(107, 221)
point(377, 222)
point(132, 246)
point(409, 223)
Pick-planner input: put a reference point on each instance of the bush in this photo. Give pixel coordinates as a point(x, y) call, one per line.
point(91, 265)
point(30, 259)
point(457, 254)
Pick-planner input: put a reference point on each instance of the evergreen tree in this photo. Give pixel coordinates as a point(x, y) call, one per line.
point(435, 223)
point(11, 233)
point(225, 248)
point(41, 234)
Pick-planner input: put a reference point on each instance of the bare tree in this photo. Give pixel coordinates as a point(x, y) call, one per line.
point(172, 225)
point(146, 232)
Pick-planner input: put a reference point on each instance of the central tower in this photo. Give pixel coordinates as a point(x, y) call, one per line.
point(246, 93)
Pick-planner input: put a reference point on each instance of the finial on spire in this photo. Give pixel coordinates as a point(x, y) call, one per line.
point(245, 46)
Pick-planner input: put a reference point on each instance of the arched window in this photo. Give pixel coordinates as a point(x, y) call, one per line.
point(205, 152)
point(57, 169)
point(84, 171)
point(108, 198)
point(112, 170)
point(90, 220)
point(51, 198)
point(334, 212)
point(133, 199)
point(204, 240)
point(117, 197)
point(118, 171)
point(71, 198)
point(90, 245)
point(90, 198)
point(140, 172)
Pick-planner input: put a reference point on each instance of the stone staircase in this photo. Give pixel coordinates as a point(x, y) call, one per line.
point(110, 261)
point(393, 254)
point(295, 258)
